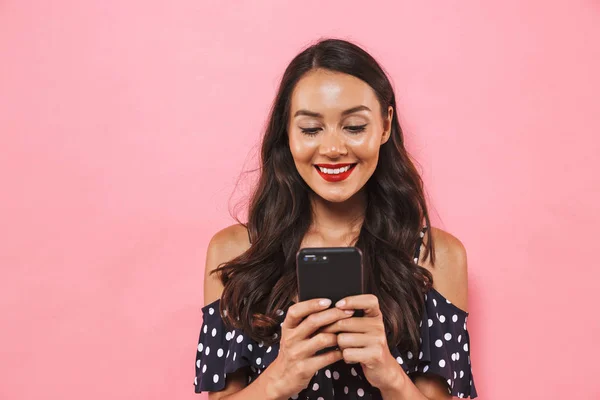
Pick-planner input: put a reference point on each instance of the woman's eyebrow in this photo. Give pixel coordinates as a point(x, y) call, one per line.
point(317, 115)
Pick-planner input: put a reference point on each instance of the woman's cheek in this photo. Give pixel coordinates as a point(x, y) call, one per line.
point(302, 150)
point(364, 146)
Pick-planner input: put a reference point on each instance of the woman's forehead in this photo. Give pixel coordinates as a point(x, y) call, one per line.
point(331, 92)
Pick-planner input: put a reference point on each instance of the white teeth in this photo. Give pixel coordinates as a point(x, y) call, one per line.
point(335, 171)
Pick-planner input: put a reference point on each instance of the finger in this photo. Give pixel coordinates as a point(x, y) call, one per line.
point(367, 302)
point(353, 340)
point(297, 312)
point(356, 325)
point(363, 355)
point(308, 348)
point(316, 363)
point(317, 320)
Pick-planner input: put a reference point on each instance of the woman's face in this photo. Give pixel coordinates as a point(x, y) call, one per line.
point(335, 131)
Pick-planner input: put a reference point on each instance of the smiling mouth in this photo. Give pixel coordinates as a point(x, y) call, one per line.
point(335, 173)
point(334, 169)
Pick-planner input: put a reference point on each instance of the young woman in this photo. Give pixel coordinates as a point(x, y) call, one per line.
point(335, 172)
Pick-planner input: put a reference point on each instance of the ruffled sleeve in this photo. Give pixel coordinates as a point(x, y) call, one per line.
point(222, 351)
point(445, 347)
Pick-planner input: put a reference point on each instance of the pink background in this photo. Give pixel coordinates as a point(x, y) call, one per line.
point(125, 125)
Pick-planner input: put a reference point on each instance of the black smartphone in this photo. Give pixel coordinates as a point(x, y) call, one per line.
point(330, 272)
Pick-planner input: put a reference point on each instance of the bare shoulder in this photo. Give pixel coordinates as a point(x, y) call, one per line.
point(450, 275)
point(225, 245)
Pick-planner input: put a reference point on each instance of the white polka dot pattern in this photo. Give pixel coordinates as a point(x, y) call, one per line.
point(444, 351)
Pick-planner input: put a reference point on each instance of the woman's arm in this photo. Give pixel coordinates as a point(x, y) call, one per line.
point(424, 388)
point(261, 389)
point(296, 360)
point(234, 383)
point(224, 246)
point(450, 278)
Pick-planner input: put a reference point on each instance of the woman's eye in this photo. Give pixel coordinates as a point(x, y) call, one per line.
point(309, 131)
point(351, 128)
point(356, 128)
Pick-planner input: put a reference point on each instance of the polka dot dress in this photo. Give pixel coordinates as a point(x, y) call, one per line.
point(444, 351)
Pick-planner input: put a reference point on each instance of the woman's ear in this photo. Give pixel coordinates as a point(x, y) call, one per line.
point(387, 125)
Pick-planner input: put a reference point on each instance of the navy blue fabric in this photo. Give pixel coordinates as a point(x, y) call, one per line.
point(444, 351)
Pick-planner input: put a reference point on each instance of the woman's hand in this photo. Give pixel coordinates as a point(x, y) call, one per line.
point(296, 362)
point(363, 340)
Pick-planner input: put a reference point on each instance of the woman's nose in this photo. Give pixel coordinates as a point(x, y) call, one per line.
point(332, 145)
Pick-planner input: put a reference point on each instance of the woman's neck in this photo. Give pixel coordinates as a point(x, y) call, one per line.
point(336, 224)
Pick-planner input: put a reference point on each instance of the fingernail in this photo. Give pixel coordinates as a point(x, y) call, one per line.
point(349, 312)
point(324, 302)
point(340, 303)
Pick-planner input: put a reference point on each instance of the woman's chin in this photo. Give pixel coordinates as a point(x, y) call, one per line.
point(335, 197)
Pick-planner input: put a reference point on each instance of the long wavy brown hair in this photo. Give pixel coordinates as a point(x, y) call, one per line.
point(263, 279)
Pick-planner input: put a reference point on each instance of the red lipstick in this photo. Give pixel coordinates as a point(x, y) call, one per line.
point(335, 177)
